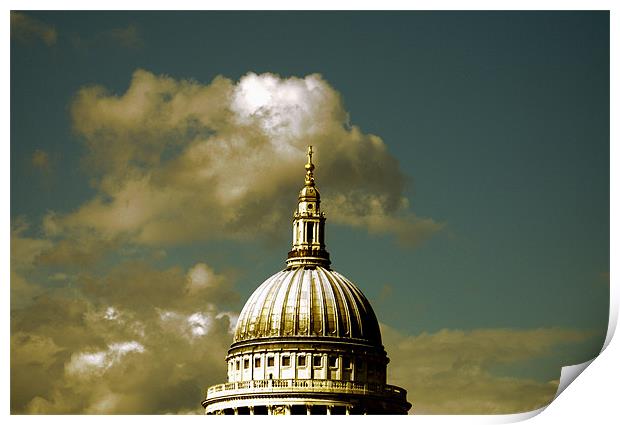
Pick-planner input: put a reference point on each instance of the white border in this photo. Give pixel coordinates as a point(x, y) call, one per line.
point(592, 398)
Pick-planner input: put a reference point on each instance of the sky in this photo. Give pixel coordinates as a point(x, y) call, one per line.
point(462, 159)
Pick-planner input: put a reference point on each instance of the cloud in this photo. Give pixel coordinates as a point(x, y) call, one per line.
point(168, 289)
point(177, 161)
point(58, 277)
point(41, 160)
point(80, 249)
point(26, 29)
point(98, 325)
point(84, 364)
point(202, 276)
point(128, 37)
point(135, 340)
point(24, 249)
point(369, 211)
point(454, 372)
point(24, 253)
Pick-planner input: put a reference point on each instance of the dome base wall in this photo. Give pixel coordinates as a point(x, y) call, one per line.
point(305, 397)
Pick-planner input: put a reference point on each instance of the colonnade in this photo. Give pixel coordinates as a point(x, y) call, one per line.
point(283, 409)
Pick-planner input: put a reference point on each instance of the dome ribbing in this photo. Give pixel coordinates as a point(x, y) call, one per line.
point(308, 302)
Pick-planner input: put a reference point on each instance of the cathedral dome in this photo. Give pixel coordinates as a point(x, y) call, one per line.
point(307, 340)
point(311, 302)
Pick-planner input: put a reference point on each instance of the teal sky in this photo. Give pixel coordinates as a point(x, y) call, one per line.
point(499, 121)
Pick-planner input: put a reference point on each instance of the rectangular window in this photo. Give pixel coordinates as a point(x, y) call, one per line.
point(333, 361)
point(359, 364)
point(270, 361)
point(346, 361)
point(286, 360)
point(238, 364)
point(301, 361)
point(246, 363)
point(317, 361)
point(257, 362)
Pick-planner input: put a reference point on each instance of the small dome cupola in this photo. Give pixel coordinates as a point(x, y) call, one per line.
point(308, 225)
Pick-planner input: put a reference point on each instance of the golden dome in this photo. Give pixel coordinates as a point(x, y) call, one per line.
point(307, 340)
point(311, 302)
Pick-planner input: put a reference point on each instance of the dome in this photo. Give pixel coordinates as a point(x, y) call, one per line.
point(308, 302)
point(307, 340)
point(309, 192)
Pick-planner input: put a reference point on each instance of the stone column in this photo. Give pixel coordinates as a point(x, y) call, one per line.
point(251, 410)
point(340, 368)
point(308, 409)
point(329, 409)
point(235, 411)
point(305, 233)
point(348, 410)
point(270, 410)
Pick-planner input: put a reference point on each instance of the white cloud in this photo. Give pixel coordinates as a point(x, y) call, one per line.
point(202, 276)
point(190, 326)
point(121, 348)
point(111, 313)
point(199, 324)
point(286, 109)
point(85, 362)
point(97, 362)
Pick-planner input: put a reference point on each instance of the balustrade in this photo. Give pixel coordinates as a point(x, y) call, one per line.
point(310, 385)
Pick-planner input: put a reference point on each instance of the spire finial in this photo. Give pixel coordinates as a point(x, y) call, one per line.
point(309, 168)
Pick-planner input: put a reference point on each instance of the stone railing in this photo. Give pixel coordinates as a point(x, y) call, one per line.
point(303, 385)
